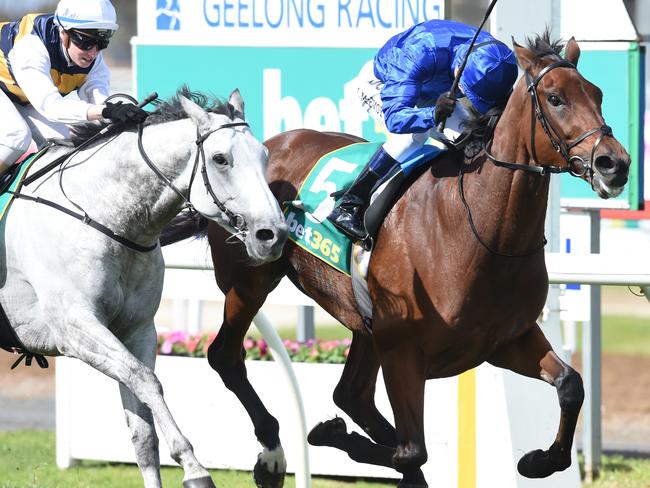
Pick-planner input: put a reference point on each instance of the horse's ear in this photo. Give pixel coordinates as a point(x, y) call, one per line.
point(572, 51)
point(199, 116)
point(525, 57)
point(237, 103)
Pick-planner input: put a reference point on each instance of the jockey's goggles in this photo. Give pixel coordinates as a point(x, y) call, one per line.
point(86, 41)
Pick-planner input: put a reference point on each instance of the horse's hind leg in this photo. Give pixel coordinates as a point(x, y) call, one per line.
point(86, 338)
point(531, 355)
point(404, 368)
point(355, 395)
point(355, 392)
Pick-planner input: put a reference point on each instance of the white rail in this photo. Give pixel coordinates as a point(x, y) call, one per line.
point(586, 269)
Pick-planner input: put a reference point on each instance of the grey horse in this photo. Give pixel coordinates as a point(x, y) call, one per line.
point(69, 289)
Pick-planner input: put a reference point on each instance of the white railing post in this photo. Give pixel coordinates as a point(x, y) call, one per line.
point(64, 459)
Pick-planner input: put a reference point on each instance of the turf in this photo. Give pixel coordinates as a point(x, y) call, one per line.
point(27, 460)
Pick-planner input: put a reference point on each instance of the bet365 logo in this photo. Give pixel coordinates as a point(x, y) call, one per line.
point(313, 239)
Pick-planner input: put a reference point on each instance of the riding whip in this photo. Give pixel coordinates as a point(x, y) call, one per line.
point(47, 168)
point(454, 86)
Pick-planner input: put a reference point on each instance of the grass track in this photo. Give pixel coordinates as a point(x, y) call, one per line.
point(27, 461)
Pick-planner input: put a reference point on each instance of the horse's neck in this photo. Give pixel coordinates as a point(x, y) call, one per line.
point(513, 201)
point(118, 189)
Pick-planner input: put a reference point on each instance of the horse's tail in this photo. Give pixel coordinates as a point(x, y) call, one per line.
point(184, 226)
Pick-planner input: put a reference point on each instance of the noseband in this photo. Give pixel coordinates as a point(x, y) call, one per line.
point(556, 140)
point(235, 220)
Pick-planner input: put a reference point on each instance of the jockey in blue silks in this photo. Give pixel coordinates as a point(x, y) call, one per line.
point(411, 71)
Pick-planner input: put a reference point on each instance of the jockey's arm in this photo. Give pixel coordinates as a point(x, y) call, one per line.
point(30, 63)
point(400, 95)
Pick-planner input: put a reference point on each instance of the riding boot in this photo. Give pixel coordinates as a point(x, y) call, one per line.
point(347, 216)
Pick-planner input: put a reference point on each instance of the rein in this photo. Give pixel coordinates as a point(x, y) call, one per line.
point(558, 143)
point(236, 221)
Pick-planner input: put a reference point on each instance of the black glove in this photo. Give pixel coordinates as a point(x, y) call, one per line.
point(124, 112)
point(445, 106)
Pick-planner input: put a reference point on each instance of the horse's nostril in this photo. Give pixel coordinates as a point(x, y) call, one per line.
point(265, 235)
point(605, 164)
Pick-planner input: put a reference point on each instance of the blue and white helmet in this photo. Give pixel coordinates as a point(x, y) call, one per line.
point(489, 74)
point(97, 15)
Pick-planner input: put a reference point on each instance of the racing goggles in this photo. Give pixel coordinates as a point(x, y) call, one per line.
point(95, 38)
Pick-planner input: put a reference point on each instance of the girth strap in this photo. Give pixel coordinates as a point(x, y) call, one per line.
point(10, 342)
point(88, 221)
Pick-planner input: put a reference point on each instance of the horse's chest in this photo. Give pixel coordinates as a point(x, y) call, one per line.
point(134, 296)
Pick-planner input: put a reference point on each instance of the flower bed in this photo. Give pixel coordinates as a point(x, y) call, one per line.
point(179, 343)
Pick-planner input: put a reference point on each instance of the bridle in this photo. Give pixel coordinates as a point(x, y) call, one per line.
point(556, 139)
point(235, 220)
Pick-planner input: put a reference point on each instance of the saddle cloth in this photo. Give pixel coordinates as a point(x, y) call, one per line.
point(331, 175)
point(10, 182)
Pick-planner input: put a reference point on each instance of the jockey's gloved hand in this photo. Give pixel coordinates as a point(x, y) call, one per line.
point(124, 112)
point(445, 106)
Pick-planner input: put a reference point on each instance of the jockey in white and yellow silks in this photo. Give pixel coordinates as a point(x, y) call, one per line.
point(43, 57)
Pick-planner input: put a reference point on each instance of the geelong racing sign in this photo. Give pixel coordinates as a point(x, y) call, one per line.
point(293, 60)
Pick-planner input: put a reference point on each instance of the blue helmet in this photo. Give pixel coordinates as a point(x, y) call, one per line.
point(489, 74)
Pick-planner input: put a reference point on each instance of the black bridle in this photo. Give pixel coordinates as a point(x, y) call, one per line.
point(557, 141)
point(235, 220)
point(554, 136)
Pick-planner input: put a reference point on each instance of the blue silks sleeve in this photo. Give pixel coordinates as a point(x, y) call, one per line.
point(401, 92)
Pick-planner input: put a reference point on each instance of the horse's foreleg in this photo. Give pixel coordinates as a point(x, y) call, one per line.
point(355, 392)
point(86, 338)
point(404, 372)
point(531, 355)
point(225, 356)
point(138, 416)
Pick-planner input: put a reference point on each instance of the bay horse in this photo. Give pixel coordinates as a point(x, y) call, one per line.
point(457, 276)
point(91, 291)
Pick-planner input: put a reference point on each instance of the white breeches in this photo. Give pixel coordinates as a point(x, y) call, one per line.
point(19, 125)
point(401, 146)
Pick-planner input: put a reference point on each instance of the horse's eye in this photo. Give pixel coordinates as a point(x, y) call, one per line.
point(219, 159)
point(555, 100)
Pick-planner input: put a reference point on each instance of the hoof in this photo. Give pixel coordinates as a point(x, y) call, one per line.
point(265, 479)
point(322, 434)
point(541, 464)
point(205, 482)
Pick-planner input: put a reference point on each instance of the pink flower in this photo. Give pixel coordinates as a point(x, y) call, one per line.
point(192, 343)
point(264, 348)
point(249, 343)
point(178, 336)
point(166, 347)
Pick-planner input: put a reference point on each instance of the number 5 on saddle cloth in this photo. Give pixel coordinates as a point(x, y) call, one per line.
point(327, 181)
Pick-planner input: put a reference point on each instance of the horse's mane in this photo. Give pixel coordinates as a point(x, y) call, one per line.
point(542, 46)
point(166, 111)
